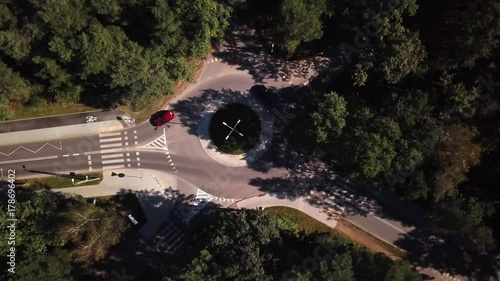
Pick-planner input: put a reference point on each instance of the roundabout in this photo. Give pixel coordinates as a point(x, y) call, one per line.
point(235, 129)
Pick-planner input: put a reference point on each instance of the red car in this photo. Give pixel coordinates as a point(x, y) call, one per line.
point(164, 118)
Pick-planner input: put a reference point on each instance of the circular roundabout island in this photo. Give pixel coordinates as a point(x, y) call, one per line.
point(235, 128)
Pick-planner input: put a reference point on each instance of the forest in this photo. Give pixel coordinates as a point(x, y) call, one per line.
point(100, 53)
point(415, 109)
point(86, 241)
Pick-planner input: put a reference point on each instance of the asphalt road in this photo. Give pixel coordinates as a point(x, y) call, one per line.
point(173, 150)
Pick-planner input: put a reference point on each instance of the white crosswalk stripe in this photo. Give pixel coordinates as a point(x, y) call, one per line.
point(112, 146)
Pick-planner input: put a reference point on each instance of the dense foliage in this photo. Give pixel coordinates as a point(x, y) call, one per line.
point(55, 233)
point(415, 107)
point(99, 53)
point(252, 245)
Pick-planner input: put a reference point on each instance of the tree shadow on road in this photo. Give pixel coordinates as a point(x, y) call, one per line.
point(195, 113)
point(246, 52)
point(446, 256)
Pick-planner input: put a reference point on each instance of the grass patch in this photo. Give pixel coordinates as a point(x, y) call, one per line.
point(58, 182)
point(126, 204)
point(362, 237)
point(41, 108)
point(304, 222)
point(343, 230)
point(50, 109)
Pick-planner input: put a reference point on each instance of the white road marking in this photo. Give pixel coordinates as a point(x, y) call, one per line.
point(113, 167)
point(111, 156)
point(135, 132)
point(137, 153)
point(129, 165)
point(90, 168)
point(128, 154)
point(135, 137)
point(126, 138)
point(111, 150)
point(111, 139)
point(110, 145)
point(66, 155)
point(136, 142)
point(29, 159)
point(34, 151)
point(138, 159)
point(128, 159)
point(125, 132)
point(110, 134)
point(76, 154)
point(90, 163)
point(126, 143)
point(112, 161)
point(138, 164)
point(390, 224)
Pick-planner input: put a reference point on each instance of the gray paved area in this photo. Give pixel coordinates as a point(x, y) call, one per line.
point(155, 190)
point(61, 126)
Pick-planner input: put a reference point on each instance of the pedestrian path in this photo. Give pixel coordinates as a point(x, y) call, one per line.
point(112, 151)
point(171, 236)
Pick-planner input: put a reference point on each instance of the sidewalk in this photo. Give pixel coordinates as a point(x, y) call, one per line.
point(156, 192)
point(60, 127)
point(298, 203)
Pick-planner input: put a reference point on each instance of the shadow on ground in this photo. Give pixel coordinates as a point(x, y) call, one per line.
point(247, 53)
point(197, 111)
point(443, 254)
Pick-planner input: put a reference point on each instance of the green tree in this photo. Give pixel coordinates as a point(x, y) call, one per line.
point(401, 271)
point(203, 21)
point(63, 18)
point(36, 226)
point(6, 112)
point(15, 44)
point(454, 157)
point(55, 266)
point(338, 269)
point(298, 21)
point(328, 119)
point(384, 46)
point(465, 216)
point(371, 144)
point(90, 231)
point(466, 32)
point(12, 86)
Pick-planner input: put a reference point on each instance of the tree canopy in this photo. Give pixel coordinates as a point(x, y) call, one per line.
point(86, 52)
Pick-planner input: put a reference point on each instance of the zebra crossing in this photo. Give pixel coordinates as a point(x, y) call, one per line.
point(112, 150)
point(170, 238)
point(172, 234)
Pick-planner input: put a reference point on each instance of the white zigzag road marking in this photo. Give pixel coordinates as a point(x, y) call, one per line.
point(34, 151)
